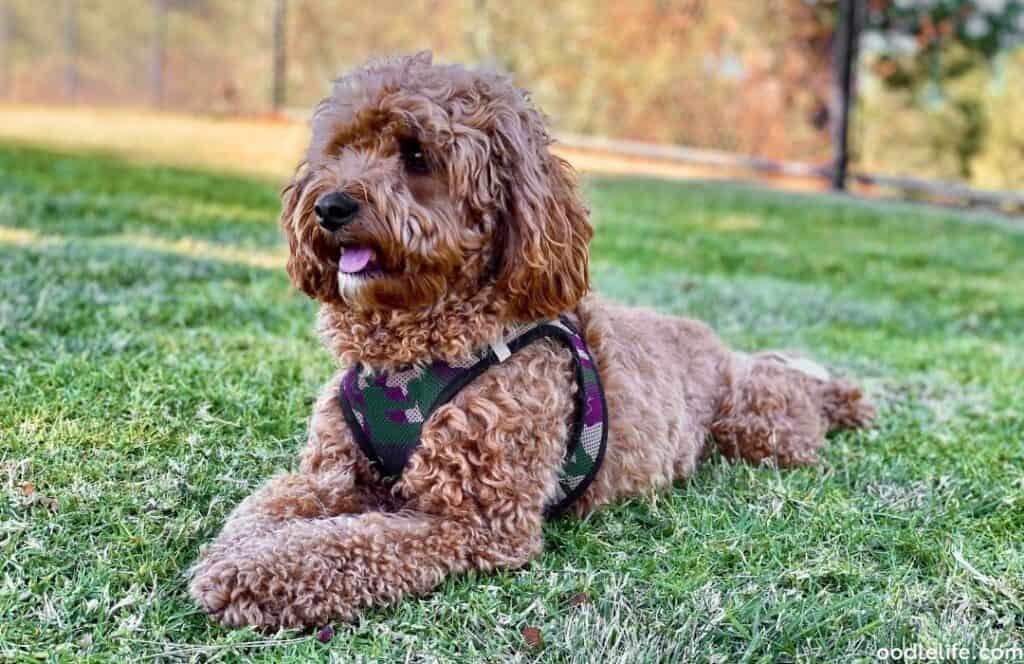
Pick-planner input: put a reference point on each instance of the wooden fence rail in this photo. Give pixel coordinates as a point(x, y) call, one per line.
point(950, 193)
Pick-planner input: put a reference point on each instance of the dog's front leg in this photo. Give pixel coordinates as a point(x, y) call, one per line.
point(309, 571)
point(288, 497)
point(333, 479)
point(473, 496)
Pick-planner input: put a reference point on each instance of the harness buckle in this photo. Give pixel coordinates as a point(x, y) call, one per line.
point(501, 350)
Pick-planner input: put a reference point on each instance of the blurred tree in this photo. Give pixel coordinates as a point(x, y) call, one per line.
point(934, 50)
point(326, 37)
point(917, 36)
point(896, 134)
point(999, 163)
point(735, 75)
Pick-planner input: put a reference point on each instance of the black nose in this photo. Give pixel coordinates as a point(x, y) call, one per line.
point(335, 210)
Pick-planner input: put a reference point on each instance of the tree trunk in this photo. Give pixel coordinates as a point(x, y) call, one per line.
point(70, 50)
point(277, 84)
point(846, 47)
point(159, 54)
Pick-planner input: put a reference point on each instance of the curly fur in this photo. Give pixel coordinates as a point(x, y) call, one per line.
point(493, 233)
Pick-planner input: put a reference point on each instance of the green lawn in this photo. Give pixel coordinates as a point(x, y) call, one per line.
point(155, 366)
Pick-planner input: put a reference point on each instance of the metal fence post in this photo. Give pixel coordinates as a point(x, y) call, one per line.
point(5, 48)
point(159, 54)
point(846, 43)
point(70, 50)
point(277, 84)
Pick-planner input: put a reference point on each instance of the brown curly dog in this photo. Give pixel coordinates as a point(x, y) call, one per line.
point(429, 218)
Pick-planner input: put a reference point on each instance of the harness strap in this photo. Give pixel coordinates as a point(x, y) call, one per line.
point(440, 382)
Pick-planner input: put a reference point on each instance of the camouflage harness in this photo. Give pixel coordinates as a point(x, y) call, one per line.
point(386, 410)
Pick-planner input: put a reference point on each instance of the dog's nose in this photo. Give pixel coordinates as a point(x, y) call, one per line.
point(335, 210)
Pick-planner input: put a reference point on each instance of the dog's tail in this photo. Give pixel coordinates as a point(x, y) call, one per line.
point(778, 407)
point(845, 405)
point(842, 403)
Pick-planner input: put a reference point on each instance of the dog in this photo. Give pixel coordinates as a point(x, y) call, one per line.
point(433, 224)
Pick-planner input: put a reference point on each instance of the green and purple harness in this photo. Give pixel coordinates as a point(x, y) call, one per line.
point(386, 410)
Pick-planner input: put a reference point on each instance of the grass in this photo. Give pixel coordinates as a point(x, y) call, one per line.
point(155, 366)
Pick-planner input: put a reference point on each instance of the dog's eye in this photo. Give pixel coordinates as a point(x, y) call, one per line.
point(413, 157)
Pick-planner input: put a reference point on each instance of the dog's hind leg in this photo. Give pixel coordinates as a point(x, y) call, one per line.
point(778, 408)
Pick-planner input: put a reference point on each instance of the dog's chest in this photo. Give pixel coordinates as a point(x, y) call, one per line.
point(386, 411)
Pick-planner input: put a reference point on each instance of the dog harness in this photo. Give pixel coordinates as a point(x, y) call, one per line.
point(386, 410)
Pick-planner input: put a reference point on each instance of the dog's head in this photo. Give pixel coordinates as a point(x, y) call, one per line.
point(426, 183)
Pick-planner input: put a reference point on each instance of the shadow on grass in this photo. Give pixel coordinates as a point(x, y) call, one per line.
point(90, 195)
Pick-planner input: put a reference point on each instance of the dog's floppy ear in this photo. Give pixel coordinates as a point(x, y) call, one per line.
point(305, 270)
point(543, 236)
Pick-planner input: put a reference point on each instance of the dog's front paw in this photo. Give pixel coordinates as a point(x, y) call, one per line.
point(260, 590)
point(221, 589)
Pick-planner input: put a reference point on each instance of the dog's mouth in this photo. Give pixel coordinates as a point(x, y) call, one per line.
point(359, 261)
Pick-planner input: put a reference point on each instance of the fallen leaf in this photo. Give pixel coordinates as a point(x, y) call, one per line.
point(33, 498)
point(325, 634)
point(579, 599)
point(533, 637)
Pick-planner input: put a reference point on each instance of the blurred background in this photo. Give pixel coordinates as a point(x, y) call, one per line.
point(740, 88)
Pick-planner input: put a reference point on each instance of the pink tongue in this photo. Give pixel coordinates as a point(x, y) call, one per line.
point(355, 259)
